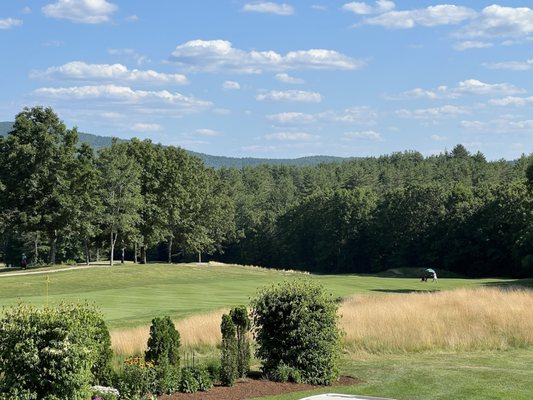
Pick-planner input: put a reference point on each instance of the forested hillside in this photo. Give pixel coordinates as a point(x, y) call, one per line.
point(455, 211)
point(99, 142)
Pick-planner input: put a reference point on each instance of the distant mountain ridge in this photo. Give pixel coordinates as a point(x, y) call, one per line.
point(99, 142)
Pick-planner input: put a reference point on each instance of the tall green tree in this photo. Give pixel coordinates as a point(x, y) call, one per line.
point(120, 192)
point(38, 158)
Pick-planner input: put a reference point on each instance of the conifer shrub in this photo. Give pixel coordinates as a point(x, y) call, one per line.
point(295, 324)
point(239, 316)
point(48, 353)
point(163, 343)
point(228, 361)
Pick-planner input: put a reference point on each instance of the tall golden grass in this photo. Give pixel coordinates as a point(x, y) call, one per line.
point(456, 320)
point(195, 331)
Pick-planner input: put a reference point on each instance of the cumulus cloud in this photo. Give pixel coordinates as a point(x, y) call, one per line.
point(361, 8)
point(292, 118)
point(442, 14)
point(8, 23)
point(123, 94)
point(231, 85)
point(500, 125)
point(286, 78)
point(512, 101)
point(438, 138)
point(292, 136)
point(433, 113)
point(301, 96)
point(81, 11)
point(268, 7)
point(369, 135)
point(469, 44)
point(500, 21)
point(81, 71)
point(511, 65)
point(466, 87)
point(142, 127)
point(217, 55)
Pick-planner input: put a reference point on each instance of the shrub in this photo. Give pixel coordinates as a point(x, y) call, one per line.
point(101, 369)
point(188, 382)
point(136, 379)
point(213, 368)
point(166, 378)
point(228, 362)
point(203, 378)
point(239, 316)
point(104, 393)
point(284, 373)
point(163, 343)
point(295, 323)
point(48, 353)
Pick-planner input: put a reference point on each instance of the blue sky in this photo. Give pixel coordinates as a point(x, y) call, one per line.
point(278, 79)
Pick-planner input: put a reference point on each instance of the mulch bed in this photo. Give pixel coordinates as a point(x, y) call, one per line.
point(252, 388)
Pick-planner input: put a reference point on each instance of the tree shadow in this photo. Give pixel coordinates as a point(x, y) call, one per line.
point(512, 284)
point(406, 290)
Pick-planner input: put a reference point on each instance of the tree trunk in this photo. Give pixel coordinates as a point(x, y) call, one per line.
point(135, 252)
point(112, 250)
point(199, 257)
point(122, 255)
point(143, 254)
point(36, 248)
point(97, 254)
point(87, 252)
point(52, 253)
point(170, 250)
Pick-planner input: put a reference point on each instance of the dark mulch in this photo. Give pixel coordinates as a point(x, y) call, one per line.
point(252, 388)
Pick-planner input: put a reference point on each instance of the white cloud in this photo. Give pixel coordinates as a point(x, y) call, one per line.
point(81, 11)
point(499, 21)
point(81, 71)
point(292, 136)
point(123, 94)
point(286, 78)
point(438, 138)
point(433, 113)
point(360, 8)
point(512, 101)
point(129, 54)
point(442, 14)
point(359, 115)
point(231, 85)
point(26, 10)
point(369, 135)
point(290, 96)
point(500, 125)
point(511, 65)
point(217, 55)
point(269, 8)
point(207, 132)
point(53, 43)
point(8, 23)
point(319, 7)
point(469, 44)
point(142, 127)
point(466, 87)
point(292, 118)
point(132, 18)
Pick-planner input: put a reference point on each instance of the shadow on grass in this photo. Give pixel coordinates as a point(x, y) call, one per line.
point(406, 290)
point(512, 284)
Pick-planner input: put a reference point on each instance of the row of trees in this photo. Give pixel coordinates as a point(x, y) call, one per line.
point(63, 198)
point(454, 211)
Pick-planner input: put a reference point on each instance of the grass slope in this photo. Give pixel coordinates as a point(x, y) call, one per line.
point(132, 295)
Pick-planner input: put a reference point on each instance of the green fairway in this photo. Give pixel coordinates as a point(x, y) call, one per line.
point(132, 294)
point(472, 376)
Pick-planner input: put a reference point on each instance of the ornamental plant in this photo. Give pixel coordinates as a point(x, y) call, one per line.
point(295, 327)
point(239, 316)
point(163, 343)
point(47, 353)
point(228, 360)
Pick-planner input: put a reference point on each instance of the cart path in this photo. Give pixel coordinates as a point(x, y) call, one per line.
point(51, 271)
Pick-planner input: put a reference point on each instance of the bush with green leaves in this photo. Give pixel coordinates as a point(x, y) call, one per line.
point(136, 379)
point(48, 353)
point(284, 373)
point(188, 382)
point(239, 316)
point(163, 343)
point(228, 360)
point(295, 323)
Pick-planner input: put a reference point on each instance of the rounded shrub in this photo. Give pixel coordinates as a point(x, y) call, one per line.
point(48, 353)
point(295, 324)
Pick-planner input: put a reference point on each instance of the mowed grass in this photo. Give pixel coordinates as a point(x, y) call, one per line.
point(131, 295)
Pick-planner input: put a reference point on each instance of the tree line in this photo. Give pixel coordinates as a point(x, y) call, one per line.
point(454, 211)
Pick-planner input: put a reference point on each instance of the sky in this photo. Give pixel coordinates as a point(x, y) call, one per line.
point(278, 79)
